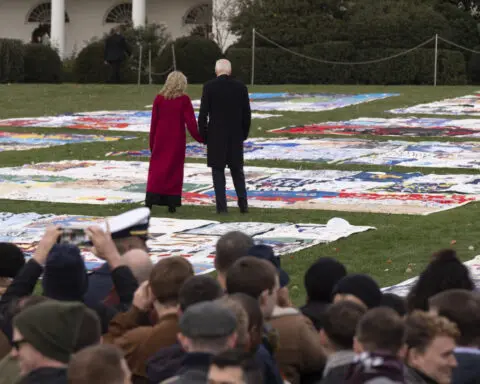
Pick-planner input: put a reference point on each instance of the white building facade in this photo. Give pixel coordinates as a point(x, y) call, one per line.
point(75, 22)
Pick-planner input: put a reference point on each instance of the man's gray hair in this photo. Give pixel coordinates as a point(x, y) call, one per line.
point(223, 66)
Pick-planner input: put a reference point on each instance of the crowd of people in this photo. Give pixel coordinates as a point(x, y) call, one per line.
point(134, 322)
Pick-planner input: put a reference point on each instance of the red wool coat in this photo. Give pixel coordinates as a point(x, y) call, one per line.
point(167, 146)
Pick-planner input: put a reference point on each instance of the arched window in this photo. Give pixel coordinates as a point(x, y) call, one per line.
point(42, 13)
point(199, 15)
point(119, 14)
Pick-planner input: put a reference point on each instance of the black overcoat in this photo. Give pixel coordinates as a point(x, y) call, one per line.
point(224, 121)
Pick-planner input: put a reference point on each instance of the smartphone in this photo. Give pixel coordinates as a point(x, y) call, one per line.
point(75, 236)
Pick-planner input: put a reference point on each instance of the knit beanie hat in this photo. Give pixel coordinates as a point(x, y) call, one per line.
point(321, 278)
point(51, 327)
point(65, 277)
point(362, 287)
point(11, 260)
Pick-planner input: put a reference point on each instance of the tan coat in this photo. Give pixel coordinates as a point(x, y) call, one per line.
point(299, 350)
point(141, 342)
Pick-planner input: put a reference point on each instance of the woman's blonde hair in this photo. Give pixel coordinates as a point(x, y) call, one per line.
point(175, 85)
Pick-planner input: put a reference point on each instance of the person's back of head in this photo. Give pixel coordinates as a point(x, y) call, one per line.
point(229, 248)
point(168, 277)
point(380, 330)
point(395, 302)
point(256, 278)
point(255, 318)
point(321, 277)
point(208, 327)
point(243, 339)
point(430, 341)
point(223, 67)
point(444, 272)
point(12, 260)
point(197, 289)
point(89, 332)
point(139, 263)
point(359, 288)
point(461, 307)
point(99, 364)
point(340, 324)
point(65, 276)
point(234, 367)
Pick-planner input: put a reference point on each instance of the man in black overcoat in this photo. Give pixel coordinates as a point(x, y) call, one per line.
point(224, 123)
point(116, 49)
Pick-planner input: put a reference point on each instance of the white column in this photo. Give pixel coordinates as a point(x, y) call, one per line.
point(139, 13)
point(58, 26)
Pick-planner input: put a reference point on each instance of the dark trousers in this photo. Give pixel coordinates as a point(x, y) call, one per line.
point(115, 77)
point(238, 178)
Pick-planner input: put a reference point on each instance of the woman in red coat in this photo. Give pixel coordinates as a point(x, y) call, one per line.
point(172, 111)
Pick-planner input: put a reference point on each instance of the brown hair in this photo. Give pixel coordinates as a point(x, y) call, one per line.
point(251, 276)
point(423, 327)
point(242, 319)
point(463, 308)
point(99, 364)
point(167, 277)
point(340, 323)
point(381, 329)
point(231, 247)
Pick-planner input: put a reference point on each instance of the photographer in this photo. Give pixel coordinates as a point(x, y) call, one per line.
point(65, 276)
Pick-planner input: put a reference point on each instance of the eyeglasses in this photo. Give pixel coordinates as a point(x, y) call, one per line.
point(18, 343)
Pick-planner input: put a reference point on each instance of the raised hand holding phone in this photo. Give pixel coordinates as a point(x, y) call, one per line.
point(103, 245)
point(48, 240)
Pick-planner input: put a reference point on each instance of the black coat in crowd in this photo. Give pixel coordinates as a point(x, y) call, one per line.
point(224, 121)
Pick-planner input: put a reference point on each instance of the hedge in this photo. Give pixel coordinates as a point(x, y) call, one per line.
point(11, 61)
point(195, 57)
point(42, 64)
point(90, 66)
point(274, 66)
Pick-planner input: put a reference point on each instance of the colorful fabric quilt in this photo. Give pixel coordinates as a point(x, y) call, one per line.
point(411, 126)
point(192, 239)
point(350, 151)
point(465, 105)
point(110, 182)
point(132, 121)
point(17, 141)
point(307, 102)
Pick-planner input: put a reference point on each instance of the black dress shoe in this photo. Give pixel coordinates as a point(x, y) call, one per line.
point(222, 212)
point(243, 205)
point(172, 209)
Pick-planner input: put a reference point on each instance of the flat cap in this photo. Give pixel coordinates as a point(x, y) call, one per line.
point(207, 320)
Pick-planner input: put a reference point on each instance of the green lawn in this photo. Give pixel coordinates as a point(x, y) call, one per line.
point(386, 253)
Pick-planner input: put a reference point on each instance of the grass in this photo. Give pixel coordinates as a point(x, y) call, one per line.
point(399, 241)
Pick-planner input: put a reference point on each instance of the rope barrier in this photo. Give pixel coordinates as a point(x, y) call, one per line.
point(457, 45)
point(345, 62)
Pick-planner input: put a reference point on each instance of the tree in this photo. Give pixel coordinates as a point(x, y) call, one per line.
point(395, 24)
point(292, 23)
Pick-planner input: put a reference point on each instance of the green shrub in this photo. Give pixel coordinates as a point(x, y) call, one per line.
point(42, 64)
point(474, 67)
point(11, 61)
point(274, 66)
point(195, 57)
point(90, 66)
